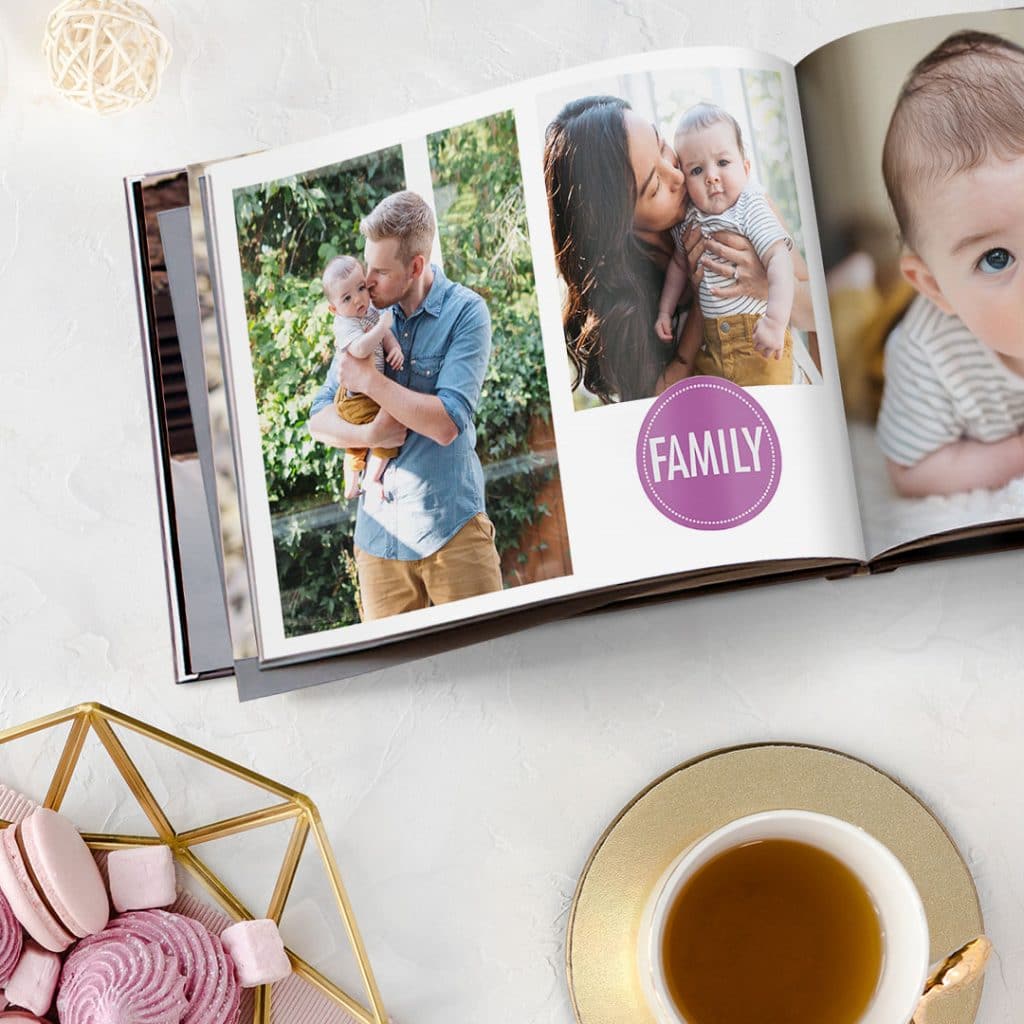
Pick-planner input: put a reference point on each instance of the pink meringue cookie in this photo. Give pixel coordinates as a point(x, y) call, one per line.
point(119, 979)
point(211, 991)
point(11, 939)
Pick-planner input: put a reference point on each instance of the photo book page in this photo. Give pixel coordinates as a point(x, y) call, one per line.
point(915, 133)
point(567, 338)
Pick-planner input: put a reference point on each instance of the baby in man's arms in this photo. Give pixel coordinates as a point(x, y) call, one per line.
point(363, 332)
point(953, 404)
point(745, 340)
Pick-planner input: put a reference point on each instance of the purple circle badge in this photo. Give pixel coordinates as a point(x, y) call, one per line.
point(707, 454)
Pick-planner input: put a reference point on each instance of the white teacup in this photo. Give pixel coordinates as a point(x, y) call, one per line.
point(904, 926)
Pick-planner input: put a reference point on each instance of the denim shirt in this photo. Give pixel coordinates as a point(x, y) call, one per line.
point(430, 490)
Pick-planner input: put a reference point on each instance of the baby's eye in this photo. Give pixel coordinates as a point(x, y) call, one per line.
point(696, 171)
point(723, 162)
point(995, 261)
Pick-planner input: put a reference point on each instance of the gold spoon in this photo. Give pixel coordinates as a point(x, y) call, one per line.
point(956, 971)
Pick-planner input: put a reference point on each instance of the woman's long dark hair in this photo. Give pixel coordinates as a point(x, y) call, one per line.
point(613, 284)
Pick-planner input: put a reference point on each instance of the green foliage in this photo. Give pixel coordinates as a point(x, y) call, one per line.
point(317, 575)
point(482, 227)
point(297, 224)
point(291, 341)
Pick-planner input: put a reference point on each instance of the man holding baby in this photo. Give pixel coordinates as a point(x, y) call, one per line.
point(424, 537)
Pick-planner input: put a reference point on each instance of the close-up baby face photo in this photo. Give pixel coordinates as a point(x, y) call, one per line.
point(970, 235)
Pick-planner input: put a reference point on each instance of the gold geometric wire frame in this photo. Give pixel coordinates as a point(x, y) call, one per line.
point(293, 806)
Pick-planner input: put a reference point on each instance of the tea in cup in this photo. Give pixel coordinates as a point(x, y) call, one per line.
point(784, 916)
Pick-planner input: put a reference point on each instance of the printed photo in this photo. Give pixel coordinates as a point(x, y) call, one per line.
point(404, 418)
point(677, 234)
point(916, 138)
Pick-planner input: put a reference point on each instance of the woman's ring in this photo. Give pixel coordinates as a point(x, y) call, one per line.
point(736, 274)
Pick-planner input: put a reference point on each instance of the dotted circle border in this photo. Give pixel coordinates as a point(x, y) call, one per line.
point(676, 391)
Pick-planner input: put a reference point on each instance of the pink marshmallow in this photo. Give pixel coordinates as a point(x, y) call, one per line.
point(34, 980)
point(141, 878)
point(258, 952)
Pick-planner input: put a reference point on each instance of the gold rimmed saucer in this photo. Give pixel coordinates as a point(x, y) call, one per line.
point(701, 795)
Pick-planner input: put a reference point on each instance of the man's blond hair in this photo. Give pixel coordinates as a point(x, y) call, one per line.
point(961, 104)
point(406, 217)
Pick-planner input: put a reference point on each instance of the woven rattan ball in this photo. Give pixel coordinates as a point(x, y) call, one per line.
point(107, 55)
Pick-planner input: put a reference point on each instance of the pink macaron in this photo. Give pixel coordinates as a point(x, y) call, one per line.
point(28, 907)
point(51, 880)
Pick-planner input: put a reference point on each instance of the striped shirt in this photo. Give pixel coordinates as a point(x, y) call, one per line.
point(751, 217)
point(943, 385)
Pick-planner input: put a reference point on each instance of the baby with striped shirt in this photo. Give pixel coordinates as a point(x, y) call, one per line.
point(952, 410)
point(745, 339)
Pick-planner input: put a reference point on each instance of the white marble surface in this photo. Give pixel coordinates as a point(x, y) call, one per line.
point(462, 793)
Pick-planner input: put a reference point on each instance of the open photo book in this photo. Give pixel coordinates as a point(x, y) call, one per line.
point(668, 322)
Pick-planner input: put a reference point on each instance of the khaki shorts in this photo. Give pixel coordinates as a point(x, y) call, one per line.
point(468, 565)
point(728, 351)
point(360, 409)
